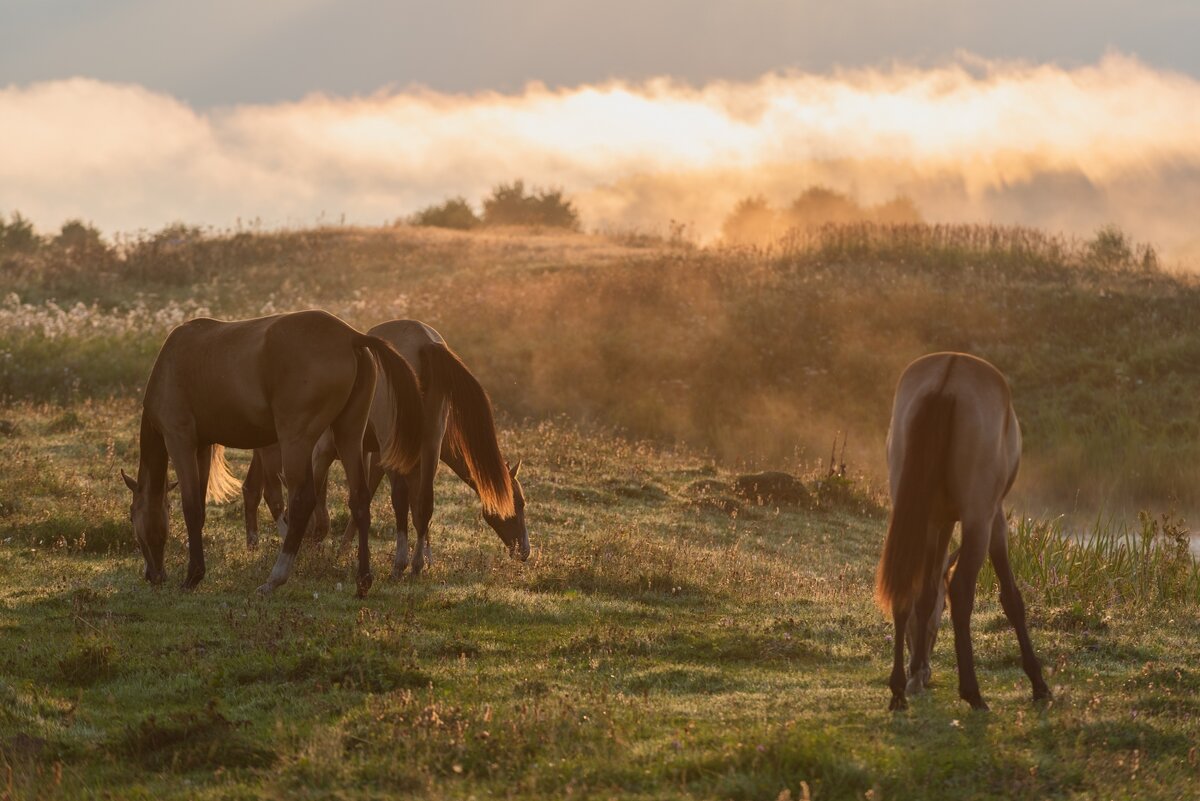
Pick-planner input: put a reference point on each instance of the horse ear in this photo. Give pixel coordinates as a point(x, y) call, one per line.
point(515, 469)
point(129, 482)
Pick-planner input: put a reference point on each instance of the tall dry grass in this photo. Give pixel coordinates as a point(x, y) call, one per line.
point(757, 354)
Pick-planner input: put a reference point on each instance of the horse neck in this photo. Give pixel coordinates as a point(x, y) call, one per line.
point(152, 459)
point(459, 466)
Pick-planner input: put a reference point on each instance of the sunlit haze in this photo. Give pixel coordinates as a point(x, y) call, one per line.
point(974, 141)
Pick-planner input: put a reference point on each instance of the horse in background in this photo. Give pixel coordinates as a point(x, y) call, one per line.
point(286, 378)
point(458, 428)
point(954, 447)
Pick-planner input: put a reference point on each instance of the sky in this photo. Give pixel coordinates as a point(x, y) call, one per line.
point(134, 114)
point(222, 52)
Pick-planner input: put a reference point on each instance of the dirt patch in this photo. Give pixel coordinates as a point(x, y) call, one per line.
point(187, 741)
point(773, 488)
point(713, 495)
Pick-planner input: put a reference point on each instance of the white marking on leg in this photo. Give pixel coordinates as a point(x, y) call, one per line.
point(279, 574)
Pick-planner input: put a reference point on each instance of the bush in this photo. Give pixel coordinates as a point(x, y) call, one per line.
point(819, 205)
point(17, 235)
point(752, 221)
point(451, 213)
point(77, 236)
point(510, 204)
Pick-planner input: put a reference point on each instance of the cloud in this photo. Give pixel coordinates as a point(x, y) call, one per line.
point(975, 140)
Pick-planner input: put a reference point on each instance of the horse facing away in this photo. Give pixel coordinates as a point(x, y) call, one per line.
point(953, 451)
point(457, 426)
point(286, 378)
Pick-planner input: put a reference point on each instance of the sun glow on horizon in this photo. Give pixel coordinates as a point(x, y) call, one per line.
point(970, 141)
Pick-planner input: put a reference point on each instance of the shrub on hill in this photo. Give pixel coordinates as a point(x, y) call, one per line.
point(453, 212)
point(512, 204)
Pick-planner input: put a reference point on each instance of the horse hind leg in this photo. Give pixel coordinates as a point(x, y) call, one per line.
point(252, 493)
point(420, 496)
point(976, 532)
point(400, 507)
point(323, 455)
point(349, 446)
point(898, 678)
point(927, 612)
point(421, 490)
point(297, 472)
point(348, 431)
point(1014, 606)
point(272, 467)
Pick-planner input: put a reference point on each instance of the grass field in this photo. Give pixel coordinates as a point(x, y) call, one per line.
point(667, 638)
point(654, 646)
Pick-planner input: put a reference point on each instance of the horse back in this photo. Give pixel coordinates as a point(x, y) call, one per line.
point(985, 438)
point(232, 380)
point(408, 337)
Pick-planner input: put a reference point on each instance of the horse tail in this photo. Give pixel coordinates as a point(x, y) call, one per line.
point(403, 449)
point(221, 484)
point(471, 427)
point(903, 568)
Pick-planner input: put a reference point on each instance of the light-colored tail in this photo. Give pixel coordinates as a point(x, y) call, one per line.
point(221, 484)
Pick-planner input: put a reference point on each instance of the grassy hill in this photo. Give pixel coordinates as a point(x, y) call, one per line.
point(666, 640)
point(758, 357)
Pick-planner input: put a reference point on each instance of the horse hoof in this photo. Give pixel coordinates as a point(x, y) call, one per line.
point(977, 704)
point(265, 589)
point(916, 686)
point(364, 584)
point(398, 572)
point(1043, 695)
point(899, 704)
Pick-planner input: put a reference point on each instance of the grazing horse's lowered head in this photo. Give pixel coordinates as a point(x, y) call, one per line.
point(149, 515)
point(512, 530)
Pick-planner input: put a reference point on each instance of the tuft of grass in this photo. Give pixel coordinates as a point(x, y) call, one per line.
point(92, 658)
point(1085, 575)
point(190, 740)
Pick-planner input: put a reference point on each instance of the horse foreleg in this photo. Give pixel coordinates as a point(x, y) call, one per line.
point(1014, 606)
point(975, 535)
point(194, 491)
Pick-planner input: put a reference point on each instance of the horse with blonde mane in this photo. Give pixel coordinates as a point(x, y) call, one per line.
point(457, 428)
point(953, 451)
point(287, 378)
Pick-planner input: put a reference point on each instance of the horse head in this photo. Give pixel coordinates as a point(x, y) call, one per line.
point(148, 511)
point(512, 530)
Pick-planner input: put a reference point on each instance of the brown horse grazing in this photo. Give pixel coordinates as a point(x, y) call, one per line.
point(286, 378)
point(457, 427)
point(953, 451)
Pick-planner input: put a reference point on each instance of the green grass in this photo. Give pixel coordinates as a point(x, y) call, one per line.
point(654, 646)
